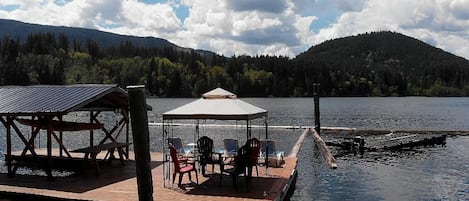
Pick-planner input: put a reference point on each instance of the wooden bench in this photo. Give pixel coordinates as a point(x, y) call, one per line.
point(93, 151)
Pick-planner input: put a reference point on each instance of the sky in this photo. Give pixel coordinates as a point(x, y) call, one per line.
point(255, 27)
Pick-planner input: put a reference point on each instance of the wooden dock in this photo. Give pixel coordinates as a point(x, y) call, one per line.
point(400, 141)
point(117, 182)
point(386, 141)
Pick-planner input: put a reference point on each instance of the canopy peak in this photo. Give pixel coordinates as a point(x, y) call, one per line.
point(219, 93)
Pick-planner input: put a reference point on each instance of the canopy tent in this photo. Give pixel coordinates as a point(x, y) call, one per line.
point(217, 104)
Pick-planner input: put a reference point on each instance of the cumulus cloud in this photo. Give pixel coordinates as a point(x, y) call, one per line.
point(235, 27)
point(275, 27)
point(433, 21)
point(460, 9)
point(273, 6)
point(153, 18)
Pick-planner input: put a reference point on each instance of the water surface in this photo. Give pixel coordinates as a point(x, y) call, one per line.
point(437, 173)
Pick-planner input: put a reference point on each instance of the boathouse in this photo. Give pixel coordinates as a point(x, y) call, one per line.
point(44, 107)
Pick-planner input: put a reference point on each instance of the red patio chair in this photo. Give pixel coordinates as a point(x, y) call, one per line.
point(181, 167)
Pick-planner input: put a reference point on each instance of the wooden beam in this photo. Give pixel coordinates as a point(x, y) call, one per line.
point(60, 125)
point(296, 148)
point(48, 167)
point(62, 147)
point(30, 144)
point(20, 134)
point(8, 122)
point(330, 161)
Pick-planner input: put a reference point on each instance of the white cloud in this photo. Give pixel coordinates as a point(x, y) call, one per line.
point(250, 21)
point(433, 21)
point(245, 29)
point(153, 18)
point(276, 27)
point(460, 9)
point(302, 25)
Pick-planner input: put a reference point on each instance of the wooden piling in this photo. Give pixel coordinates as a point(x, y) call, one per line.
point(141, 141)
point(317, 122)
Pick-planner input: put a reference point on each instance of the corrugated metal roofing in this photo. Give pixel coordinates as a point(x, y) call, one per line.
point(39, 99)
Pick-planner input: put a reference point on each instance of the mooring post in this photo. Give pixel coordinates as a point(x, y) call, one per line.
point(317, 122)
point(140, 135)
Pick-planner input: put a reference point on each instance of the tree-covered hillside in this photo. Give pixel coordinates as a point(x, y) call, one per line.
point(375, 64)
point(384, 64)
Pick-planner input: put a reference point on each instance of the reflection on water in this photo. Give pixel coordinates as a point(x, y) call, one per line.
point(436, 173)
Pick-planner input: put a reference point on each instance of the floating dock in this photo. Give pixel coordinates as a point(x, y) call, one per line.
point(393, 141)
point(118, 182)
point(400, 141)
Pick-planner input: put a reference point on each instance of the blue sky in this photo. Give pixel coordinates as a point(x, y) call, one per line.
point(274, 27)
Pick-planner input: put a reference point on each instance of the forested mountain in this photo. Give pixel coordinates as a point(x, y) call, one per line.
point(21, 30)
point(372, 64)
point(385, 63)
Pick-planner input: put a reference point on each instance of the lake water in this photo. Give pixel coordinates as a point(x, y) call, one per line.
point(437, 173)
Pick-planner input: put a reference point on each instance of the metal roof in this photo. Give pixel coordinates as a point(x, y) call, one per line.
point(42, 99)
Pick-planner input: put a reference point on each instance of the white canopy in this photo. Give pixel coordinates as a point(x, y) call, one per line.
point(217, 104)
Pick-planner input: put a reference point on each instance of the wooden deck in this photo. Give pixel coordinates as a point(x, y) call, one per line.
point(400, 141)
point(117, 182)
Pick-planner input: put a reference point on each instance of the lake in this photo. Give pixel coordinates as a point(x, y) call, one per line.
point(435, 173)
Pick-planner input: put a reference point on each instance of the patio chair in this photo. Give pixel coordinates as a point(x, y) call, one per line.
point(181, 167)
point(269, 150)
point(255, 147)
point(207, 154)
point(241, 163)
point(230, 148)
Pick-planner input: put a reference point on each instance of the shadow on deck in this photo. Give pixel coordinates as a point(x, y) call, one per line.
point(258, 186)
point(117, 182)
point(78, 182)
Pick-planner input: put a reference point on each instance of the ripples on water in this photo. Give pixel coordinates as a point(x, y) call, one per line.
point(438, 173)
point(434, 173)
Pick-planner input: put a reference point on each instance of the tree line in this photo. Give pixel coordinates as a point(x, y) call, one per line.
point(355, 66)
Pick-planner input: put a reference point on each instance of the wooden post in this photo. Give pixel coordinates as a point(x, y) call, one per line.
point(140, 134)
point(49, 149)
point(61, 137)
point(317, 122)
point(247, 130)
point(9, 121)
point(91, 130)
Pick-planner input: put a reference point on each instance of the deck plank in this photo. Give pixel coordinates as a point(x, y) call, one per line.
point(119, 183)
